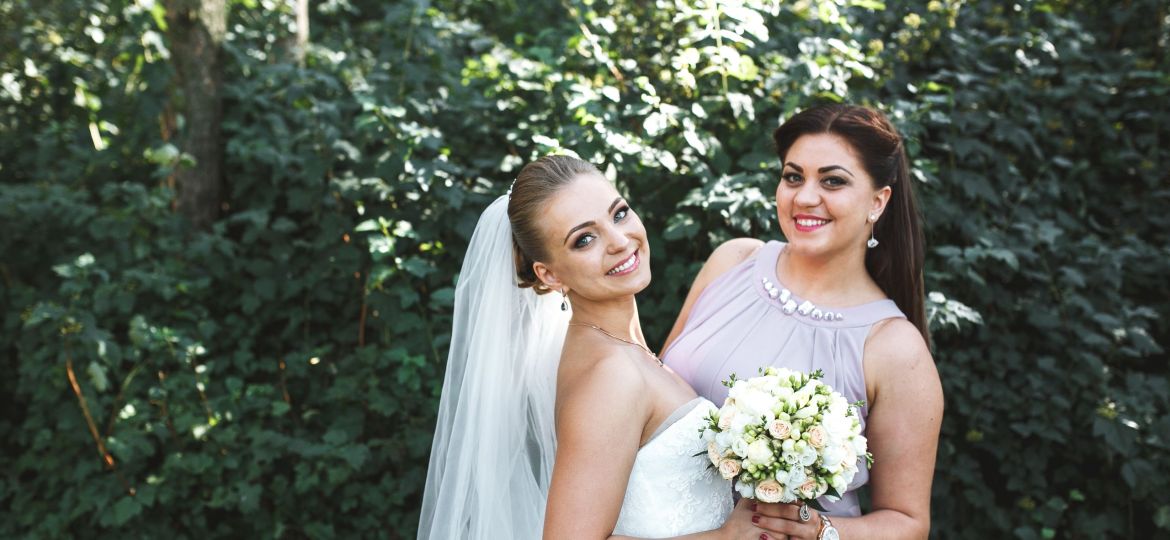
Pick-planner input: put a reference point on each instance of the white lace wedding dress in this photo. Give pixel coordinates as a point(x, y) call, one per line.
point(673, 489)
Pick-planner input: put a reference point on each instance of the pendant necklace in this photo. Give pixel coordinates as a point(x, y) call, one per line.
point(634, 343)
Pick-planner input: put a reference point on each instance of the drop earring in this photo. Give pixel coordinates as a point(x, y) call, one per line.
point(872, 243)
point(564, 301)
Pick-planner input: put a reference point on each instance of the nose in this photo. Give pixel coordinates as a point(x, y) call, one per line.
point(807, 195)
point(618, 240)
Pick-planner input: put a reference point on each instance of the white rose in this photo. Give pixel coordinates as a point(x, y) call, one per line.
point(741, 422)
point(728, 468)
point(708, 435)
point(832, 458)
point(755, 403)
point(839, 427)
point(745, 489)
point(759, 452)
point(769, 491)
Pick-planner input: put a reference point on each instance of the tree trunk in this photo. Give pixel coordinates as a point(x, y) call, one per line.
point(196, 31)
point(302, 31)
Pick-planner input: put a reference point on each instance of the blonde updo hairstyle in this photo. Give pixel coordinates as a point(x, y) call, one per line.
point(538, 182)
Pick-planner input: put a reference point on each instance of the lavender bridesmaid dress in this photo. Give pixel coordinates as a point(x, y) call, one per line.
point(746, 319)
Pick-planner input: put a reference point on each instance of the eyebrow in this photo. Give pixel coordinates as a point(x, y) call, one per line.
point(821, 170)
point(612, 205)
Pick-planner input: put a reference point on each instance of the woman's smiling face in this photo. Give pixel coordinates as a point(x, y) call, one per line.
point(826, 197)
point(597, 244)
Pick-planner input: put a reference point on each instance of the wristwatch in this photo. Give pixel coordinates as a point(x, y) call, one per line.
point(828, 531)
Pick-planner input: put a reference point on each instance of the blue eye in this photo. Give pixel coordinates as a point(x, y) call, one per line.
point(792, 178)
point(621, 214)
point(583, 240)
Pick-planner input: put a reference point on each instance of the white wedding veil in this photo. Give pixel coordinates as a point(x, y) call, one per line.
point(492, 456)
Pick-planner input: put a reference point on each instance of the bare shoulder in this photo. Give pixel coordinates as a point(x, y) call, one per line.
point(731, 253)
point(598, 380)
point(897, 344)
point(899, 366)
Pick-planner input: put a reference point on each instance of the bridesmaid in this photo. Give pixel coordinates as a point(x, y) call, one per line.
point(844, 295)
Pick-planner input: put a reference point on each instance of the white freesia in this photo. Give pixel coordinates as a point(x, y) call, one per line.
point(859, 444)
point(808, 456)
point(839, 483)
point(806, 412)
point(745, 489)
point(739, 447)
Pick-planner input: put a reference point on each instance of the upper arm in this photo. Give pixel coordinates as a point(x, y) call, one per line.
point(904, 420)
point(599, 428)
point(724, 258)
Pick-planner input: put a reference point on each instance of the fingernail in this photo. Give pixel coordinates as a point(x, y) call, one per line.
point(755, 519)
point(763, 537)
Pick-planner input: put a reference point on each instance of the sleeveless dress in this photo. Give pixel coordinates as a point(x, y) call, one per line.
point(672, 491)
point(746, 319)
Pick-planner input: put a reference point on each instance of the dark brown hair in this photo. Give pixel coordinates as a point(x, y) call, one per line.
point(896, 264)
point(537, 183)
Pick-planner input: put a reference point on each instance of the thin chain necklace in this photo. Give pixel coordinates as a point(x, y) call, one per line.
point(634, 343)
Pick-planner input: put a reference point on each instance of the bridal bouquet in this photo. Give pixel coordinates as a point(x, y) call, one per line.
point(785, 436)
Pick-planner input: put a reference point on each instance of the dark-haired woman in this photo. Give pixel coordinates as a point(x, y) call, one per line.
point(844, 295)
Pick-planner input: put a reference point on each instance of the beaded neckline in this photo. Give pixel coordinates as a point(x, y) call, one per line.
point(805, 309)
point(773, 291)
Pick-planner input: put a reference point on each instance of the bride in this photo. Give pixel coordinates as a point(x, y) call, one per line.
point(603, 442)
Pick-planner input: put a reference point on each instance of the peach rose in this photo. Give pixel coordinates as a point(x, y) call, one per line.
point(728, 468)
point(817, 436)
point(769, 491)
point(779, 429)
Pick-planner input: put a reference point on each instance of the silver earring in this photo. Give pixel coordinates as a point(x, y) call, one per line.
point(872, 243)
point(564, 301)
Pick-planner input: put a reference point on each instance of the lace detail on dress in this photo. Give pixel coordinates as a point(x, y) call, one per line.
point(672, 491)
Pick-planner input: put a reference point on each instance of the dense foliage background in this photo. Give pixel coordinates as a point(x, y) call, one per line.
point(276, 373)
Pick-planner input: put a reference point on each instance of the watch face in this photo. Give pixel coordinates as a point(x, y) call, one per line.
point(830, 534)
